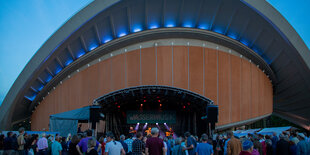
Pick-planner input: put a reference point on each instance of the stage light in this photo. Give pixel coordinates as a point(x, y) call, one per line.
point(156, 123)
point(122, 34)
point(157, 97)
point(138, 123)
point(188, 103)
point(146, 123)
point(119, 106)
point(115, 103)
point(184, 107)
point(137, 30)
point(158, 100)
point(160, 105)
point(203, 27)
point(141, 105)
point(165, 123)
point(107, 40)
point(144, 100)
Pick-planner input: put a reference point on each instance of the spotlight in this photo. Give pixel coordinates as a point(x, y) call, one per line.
point(144, 100)
point(102, 115)
point(138, 123)
point(165, 124)
point(184, 107)
point(141, 105)
point(119, 106)
point(156, 123)
point(158, 100)
point(160, 105)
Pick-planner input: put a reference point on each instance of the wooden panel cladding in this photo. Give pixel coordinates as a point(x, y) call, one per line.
point(241, 90)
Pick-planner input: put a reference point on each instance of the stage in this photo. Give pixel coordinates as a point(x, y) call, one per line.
point(164, 107)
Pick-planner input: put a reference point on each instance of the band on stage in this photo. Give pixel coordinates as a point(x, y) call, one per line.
point(168, 132)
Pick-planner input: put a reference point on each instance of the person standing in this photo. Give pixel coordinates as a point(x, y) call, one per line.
point(274, 140)
point(91, 144)
point(138, 145)
point(125, 146)
point(8, 144)
point(113, 147)
point(129, 142)
point(83, 143)
point(42, 145)
point(79, 128)
point(177, 149)
point(247, 148)
point(204, 148)
point(72, 145)
point(154, 145)
point(190, 143)
point(56, 146)
point(303, 147)
point(233, 145)
point(21, 141)
point(282, 146)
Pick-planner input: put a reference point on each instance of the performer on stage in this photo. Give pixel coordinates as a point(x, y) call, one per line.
point(148, 131)
point(169, 132)
point(132, 132)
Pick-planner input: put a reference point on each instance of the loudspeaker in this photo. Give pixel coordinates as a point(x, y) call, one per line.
point(94, 115)
point(212, 113)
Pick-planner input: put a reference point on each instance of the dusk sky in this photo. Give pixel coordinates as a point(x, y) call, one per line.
point(26, 24)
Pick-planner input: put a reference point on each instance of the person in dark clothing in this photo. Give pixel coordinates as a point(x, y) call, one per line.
point(91, 144)
point(64, 146)
point(72, 145)
point(269, 145)
point(138, 145)
point(33, 143)
point(125, 146)
point(274, 140)
point(191, 144)
point(154, 145)
point(1, 142)
point(8, 144)
point(14, 143)
point(79, 129)
point(283, 146)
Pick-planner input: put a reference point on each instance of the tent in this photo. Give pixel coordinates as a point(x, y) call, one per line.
point(278, 130)
point(67, 122)
point(241, 133)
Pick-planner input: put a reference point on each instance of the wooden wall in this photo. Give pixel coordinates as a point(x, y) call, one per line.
point(241, 90)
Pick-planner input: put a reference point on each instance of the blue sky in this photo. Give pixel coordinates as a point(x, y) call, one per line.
point(26, 24)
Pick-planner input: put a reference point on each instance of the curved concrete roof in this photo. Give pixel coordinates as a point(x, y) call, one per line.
point(253, 27)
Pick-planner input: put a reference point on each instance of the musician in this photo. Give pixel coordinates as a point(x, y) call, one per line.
point(148, 131)
point(132, 131)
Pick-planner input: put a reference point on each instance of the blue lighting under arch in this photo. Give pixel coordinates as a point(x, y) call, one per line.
point(31, 98)
point(69, 61)
point(49, 78)
point(80, 53)
point(93, 46)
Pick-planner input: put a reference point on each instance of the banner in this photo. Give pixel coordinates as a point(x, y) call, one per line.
point(134, 117)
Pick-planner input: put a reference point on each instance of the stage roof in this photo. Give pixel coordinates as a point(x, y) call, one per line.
point(252, 27)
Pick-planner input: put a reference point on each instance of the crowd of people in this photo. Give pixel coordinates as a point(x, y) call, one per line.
point(85, 144)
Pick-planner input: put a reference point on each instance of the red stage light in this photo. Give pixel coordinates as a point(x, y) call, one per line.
point(115, 103)
point(158, 100)
point(160, 105)
point(144, 100)
point(188, 103)
point(184, 107)
point(157, 96)
point(119, 106)
point(141, 105)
